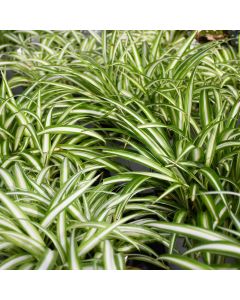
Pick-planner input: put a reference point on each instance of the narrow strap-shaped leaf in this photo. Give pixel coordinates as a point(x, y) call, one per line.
point(183, 68)
point(190, 231)
point(14, 261)
point(108, 256)
point(210, 205)
point(21, 181)
point(20, 217)
point(86, 246)
point(8, 179)
point(47, 260)
point(178, 218)
point(143, 160)
point(188, 101)
point(74, 263)
point(182, 50)
point(205, 108)
point(61, 221)
point(23, 241)
point(65, 203)
point(51, 235)
point(184, 262)
point(223, 248)
point(71, 130)
point(215, 182)
point(156, 44)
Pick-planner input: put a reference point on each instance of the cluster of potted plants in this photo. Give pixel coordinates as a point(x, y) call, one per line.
point(118, 150)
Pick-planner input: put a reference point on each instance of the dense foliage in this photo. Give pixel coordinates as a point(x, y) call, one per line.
point(118, 147)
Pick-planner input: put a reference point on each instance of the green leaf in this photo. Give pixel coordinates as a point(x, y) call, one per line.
point(47, 260)
point(184, 262)
point(223, 248)
point(189, 231)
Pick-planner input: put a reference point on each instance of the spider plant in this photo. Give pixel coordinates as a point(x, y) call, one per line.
point(112, 144)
